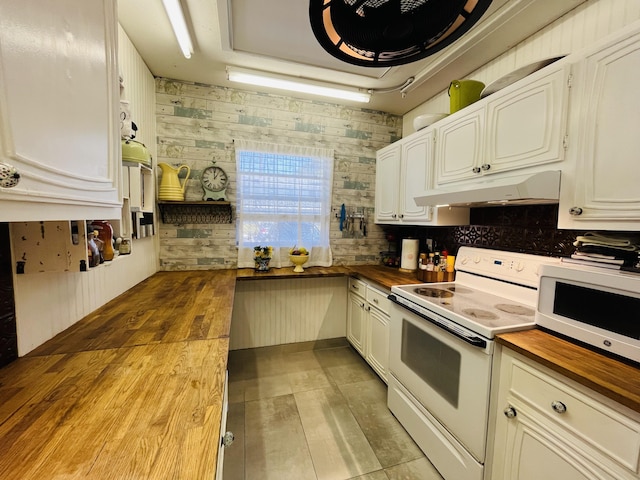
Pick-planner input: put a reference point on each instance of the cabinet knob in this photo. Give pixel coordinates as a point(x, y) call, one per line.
point(9, 176)
point(575, 211)
point(401, 216)
point(375, 300)
point(228, 438)
point(558, 406)
point(476, 170)
point(486, 167)
point(394, 216)
point(510, 412)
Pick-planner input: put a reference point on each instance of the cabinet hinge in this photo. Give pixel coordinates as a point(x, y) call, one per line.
point(570, 80)
point(565, 142)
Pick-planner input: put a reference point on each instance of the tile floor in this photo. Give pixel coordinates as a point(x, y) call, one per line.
point(314, 411)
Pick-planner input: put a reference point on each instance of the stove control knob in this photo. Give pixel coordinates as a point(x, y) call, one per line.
point(519, 266)
point(476, 259)
point(464, 260)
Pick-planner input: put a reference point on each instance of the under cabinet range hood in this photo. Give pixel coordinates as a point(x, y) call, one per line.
point(530, 189)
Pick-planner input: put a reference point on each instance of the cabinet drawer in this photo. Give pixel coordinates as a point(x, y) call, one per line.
point(612, 433)
point(378, 299)
point(357, 287)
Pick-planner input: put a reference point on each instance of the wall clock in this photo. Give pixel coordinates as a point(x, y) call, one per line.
point(214, 183)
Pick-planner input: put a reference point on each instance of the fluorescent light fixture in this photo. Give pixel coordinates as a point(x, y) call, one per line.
point(179, 25)
point(282, 83)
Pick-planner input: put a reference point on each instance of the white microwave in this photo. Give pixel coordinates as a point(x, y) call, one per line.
point(594, 305)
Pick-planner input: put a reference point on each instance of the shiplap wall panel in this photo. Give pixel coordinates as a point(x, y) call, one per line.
point(586, 24)
point(48, 303)
point(280, 311)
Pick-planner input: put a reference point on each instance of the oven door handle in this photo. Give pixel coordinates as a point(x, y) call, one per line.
point(471, 339)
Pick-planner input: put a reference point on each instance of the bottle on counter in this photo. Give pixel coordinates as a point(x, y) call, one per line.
point(422, 267)
point(430, 269)
point(105, 233)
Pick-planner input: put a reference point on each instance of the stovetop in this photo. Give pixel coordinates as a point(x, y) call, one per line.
point(494, 291)
point(479, 311)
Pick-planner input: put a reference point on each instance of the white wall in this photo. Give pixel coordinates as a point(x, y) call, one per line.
point(279, 311)
point(48, 303)
point(579, 28)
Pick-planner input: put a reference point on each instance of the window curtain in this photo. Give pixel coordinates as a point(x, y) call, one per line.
point(283, 200)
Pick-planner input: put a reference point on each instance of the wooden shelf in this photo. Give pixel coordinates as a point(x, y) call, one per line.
point(195, 212)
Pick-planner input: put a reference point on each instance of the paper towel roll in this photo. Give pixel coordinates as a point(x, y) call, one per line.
point(409, 259)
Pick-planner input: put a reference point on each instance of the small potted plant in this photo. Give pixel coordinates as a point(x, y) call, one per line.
point(298, 256)
point(262, 257)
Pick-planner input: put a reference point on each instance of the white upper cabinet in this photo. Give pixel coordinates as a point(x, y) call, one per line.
point(460, 146)
point(416, 170)
point(404, 170)
point(59, 97)
point(521, 126)
point(602, 189)
point(388, 183)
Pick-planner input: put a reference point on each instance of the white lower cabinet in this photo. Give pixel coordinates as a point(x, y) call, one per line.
point(368, 324)
point(549, 427)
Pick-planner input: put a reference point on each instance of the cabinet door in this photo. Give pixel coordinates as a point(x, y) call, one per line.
point(533, 452)
point(58, 109)
point(416, 176)
point(388, 183)
point(603, 191)
point(459, 146)
point(356, 319)
point(378, 342)
point(526, 126)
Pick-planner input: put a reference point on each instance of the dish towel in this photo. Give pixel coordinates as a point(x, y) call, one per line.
point(343, 216)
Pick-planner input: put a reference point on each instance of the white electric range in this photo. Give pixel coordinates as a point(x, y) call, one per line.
point(441, 352)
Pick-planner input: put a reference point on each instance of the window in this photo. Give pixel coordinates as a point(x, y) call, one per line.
point(283, 199)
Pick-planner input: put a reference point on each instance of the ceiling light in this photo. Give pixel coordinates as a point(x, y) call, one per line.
point(283, 83)
point(380, 33)
point(179, 25)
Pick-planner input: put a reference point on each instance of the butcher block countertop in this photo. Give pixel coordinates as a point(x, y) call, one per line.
point(612, 378)
point(134, 390)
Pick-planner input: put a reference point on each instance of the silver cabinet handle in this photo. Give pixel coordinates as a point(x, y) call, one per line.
point(510, 412)
point(9, 176)
point(575, 211)
point(486, 167)
point(228, 438)
point(476, 170)
point(558, 406)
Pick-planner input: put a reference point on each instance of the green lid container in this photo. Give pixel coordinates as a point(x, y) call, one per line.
point(463, 93)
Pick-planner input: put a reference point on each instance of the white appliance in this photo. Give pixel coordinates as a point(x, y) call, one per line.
point(441, 349)
point(597, 306)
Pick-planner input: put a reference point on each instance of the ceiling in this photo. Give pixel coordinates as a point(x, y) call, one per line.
point(275, 36)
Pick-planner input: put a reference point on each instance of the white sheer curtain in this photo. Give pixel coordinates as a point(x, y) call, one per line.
point(283, 200)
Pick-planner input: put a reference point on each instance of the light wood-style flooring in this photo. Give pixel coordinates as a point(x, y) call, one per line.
point(314, 411)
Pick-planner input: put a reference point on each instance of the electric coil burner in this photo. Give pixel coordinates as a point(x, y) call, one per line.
point(379, 33)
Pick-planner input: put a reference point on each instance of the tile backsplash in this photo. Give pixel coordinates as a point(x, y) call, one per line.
point(525, 229)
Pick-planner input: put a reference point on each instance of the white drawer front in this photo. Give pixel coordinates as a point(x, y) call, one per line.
point(358, 287)
point(378, 299)
point(598, 425)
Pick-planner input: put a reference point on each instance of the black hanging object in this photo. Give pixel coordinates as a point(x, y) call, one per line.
point(381, 33)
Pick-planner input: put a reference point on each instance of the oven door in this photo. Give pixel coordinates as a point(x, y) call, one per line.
point(448, 375)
